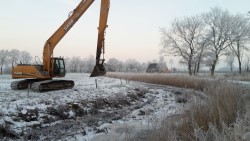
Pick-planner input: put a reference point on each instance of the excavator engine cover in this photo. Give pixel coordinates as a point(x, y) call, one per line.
point(98, 70)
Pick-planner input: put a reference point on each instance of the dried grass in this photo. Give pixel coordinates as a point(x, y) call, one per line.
point(182, 81)
point(239, 77)
point(213, 120)
point(210, 120)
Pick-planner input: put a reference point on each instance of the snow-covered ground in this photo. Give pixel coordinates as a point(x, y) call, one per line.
point(115, 110)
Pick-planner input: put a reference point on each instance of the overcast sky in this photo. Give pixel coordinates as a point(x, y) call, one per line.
point(133, 30)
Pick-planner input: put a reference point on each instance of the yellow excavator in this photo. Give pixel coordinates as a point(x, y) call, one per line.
point(39, 77)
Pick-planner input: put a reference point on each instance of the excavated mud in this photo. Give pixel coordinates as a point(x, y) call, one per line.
point(70, 118)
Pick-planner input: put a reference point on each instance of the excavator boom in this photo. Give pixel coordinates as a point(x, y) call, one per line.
point(61, 32)
point(99, 68)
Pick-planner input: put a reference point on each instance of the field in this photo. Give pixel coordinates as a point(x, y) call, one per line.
point(114, 109)
point(127, 107)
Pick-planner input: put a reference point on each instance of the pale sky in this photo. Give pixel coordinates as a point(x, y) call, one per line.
point(133, 30)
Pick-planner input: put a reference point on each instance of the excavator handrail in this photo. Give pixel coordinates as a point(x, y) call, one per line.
point(37, 58)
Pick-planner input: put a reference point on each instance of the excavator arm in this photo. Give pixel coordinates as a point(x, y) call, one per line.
point(61, 32)
point(99, 68)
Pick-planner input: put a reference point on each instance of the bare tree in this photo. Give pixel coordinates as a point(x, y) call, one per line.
point(181, 39)
point(114, 64)
point(230, 60)
point(241, 36)
point(90, 63)
point(78, 65)
point(25, 57)
point(3, 59)
point(82, 65)
point(163, 64)
point(218, 33)
point(144, 66)
point(183, 63)
point(171, 62)
point(247, 64)
point(75, 64)
point(14, 56)
point(67, 64)
point(201, 53)
point(132, 65)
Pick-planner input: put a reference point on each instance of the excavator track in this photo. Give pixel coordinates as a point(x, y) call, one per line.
point(23, 84)
point(51, 85)
point(40, 85)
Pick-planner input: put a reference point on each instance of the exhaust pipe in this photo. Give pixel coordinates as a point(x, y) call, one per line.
point(99, 69)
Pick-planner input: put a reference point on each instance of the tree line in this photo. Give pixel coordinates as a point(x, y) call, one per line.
point(205, 38)
point(9, 58)
point(79, 65)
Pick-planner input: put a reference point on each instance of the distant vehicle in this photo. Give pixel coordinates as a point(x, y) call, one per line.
point(39, 76)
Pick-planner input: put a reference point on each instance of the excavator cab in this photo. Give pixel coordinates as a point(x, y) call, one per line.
point(58, 67)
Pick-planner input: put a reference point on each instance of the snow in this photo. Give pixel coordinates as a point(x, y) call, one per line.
point(15, 106)
point(24, 111)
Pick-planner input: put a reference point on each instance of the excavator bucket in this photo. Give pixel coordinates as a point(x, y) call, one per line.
point(98, 70)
